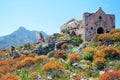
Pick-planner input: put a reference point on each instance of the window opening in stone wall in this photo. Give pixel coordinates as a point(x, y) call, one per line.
point(113, 26)
point(86, 24)
point(107, 31)
point(91, 28)
point(100, 17)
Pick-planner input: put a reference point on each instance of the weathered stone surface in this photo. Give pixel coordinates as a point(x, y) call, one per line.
point(70, 27)
point(12, 48)
point(15, 54)
point(51, 53)
point(26, 46)
point(59, 43)
point(44, 50)
point(51, 38)
point(39, 38)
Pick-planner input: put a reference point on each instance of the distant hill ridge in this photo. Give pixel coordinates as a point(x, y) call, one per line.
point(19, 37)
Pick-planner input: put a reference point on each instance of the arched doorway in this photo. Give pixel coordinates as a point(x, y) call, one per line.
point(73, 33)
point(100, 30)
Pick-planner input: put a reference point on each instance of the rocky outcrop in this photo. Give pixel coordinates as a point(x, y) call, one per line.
point(59, 43)
point(39, 38)
point(51, 38)
point(14, 53)
point(44, 50)
point(12, 48)
point(50, 45)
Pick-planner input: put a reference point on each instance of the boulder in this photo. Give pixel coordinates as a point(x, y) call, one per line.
point(15, 54)
point(59, 43)
point(44, 50)
point(50, 39)
point(12, 48)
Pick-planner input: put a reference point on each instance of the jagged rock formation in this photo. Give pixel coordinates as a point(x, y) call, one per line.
point(14, 53)
point(39, 38)
point(51, 38)
point(59, 43)
point(44, 50)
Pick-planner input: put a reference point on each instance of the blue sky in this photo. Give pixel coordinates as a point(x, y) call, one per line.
point(49, 15)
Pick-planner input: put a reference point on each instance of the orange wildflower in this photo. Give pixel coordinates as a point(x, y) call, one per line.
point(111, 75)
point(52, 65)
point(9, 77)
point(89, 50)
point(73, 57)
point(60, 54)
point(3, 62)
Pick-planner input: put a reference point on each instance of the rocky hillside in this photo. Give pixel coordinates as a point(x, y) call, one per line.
point(18, 37)
point(64, 57)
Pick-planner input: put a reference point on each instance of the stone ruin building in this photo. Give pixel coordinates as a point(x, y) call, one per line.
point(90, 25)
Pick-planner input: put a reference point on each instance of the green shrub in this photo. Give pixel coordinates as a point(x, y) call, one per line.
point(92, 74)
point(23, 74)
point(42, 45)
point(75, 50)
point(76, 41)
point(113, 65)
point(50, 54)
point(87, 56)
point(100, 66)
point(118, 47)
point(83, 45)
point(27, 46)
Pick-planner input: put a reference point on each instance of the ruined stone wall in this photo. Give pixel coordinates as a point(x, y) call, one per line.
point(90, 25)
point(97, 23)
